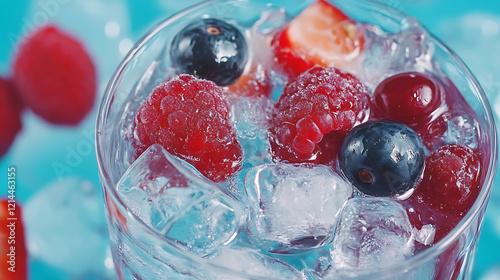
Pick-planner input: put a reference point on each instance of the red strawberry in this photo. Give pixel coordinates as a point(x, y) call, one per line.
point(320, 35)
point(190, 118)
point(319, 101)
point(13, 254)
point(55, 76)
point(10, 116)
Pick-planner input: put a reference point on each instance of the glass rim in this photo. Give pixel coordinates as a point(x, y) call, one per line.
point(379, 7)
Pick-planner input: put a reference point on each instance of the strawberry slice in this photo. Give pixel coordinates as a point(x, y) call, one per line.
point(320, 35)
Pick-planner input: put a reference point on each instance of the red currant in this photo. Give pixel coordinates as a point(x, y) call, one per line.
point(410, 98)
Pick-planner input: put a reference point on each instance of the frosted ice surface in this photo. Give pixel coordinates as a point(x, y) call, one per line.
point(461, 129)
point(425, 235)
point(251, 262)
point(293, 206)
point(372, 233)
point(317, 262)
point(389, 54)
point(251, 122)
point(173, 198)
point(65, 227)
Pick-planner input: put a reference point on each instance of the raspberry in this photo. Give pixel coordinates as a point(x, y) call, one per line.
point(451, 179)
point(319, 101)
point(55, 76)
point(449, 187)
point(190, 118)
point(10, 116)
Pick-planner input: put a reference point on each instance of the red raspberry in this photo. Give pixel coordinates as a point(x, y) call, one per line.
point(190, 118)
point(55, 76)
point(451, 179)
point(10, 116)
point(319, 101)
point(449, 187)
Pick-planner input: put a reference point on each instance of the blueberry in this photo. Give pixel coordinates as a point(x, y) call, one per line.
point(382, 158)
point(210, 49)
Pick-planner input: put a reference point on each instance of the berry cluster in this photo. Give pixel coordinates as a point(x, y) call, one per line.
point(380, 141)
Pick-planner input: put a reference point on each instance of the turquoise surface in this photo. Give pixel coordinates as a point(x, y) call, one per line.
point(45, 154)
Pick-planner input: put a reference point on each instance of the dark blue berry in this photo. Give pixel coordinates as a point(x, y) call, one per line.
point(210, 49)
point(382, 158)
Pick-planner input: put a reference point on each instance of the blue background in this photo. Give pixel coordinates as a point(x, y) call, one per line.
point(471, 28)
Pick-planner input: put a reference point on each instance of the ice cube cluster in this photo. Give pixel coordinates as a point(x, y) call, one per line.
point(388, 54)
point(171, 197)
point(289, 211)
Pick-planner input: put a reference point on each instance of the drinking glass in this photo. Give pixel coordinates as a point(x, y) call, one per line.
point(141, 252)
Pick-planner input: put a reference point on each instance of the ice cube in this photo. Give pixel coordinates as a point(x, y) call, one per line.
point(251, 262)
point(372, 233)
point(425, 235)
point(251, 122)
point(66, 229)
point(293, 206)
point(315, 263)
point(453, 128)
point(461, 129)
point(389, 54)
point(172, 197)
